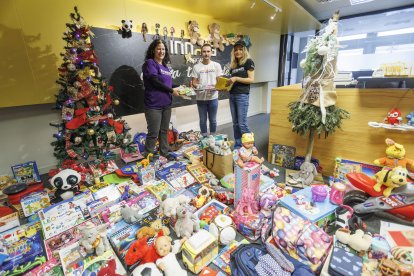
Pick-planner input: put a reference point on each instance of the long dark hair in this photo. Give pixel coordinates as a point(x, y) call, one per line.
point(151, 51)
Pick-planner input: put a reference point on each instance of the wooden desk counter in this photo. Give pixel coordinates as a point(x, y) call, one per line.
point(356, 140)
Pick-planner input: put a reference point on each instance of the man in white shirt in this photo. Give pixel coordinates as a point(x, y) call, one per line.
point(204, 78)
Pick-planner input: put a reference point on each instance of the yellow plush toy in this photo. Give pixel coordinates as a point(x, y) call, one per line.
point(395, 157)
point(394, 178)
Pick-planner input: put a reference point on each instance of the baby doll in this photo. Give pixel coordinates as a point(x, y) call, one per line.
point(248, 152)
point(168, 262)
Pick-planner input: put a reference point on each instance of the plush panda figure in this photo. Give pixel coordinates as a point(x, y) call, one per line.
point(126, 29)
point(66, 183)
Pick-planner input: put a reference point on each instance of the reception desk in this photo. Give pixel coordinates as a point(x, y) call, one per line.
point(356, 140)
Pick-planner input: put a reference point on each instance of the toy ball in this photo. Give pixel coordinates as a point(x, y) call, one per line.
point(223, 229)
point(139, 139)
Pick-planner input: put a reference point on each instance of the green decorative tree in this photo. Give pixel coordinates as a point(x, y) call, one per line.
point(315, 112)
point(88, 127)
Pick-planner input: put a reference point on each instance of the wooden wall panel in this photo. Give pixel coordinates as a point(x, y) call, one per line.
point(356, 140)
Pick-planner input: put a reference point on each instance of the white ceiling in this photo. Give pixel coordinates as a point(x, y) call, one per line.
point(323, 9)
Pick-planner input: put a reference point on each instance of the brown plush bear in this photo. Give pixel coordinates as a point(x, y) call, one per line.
point(194, 32)
point(215, 38)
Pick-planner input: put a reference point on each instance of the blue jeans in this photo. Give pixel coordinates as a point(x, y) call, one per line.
point(239, 105)
point(207, 108)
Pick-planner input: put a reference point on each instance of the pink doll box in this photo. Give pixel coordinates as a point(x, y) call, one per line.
point(249, 226)
point(247, 179)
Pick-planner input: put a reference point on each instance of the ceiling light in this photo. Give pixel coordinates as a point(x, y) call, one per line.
point(397, 32)
point(273, 16)
point(357, 2)
point(277, 9)
point(253, 4)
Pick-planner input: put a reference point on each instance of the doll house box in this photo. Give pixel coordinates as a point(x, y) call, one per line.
point(301, 204)
point(247, 179)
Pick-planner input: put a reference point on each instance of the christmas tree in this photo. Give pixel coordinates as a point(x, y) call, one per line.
point(315, 112)
point(88, 127)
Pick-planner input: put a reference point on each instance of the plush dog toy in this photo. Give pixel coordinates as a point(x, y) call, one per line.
point(93, 238)
point(194, 31)
point(395, 156)
point(394, 178)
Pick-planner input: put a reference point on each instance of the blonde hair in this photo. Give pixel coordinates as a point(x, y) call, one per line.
point(242, 61)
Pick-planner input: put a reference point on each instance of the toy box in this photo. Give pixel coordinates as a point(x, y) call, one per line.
point(176, 175)
point(222, 261)
point(131, 156)
point(9, 221)
point(344, 166)
point(50, 267)
point(26, 172)
point(68, 237)
point(199, 250)
point(145, 200)
point(109, 193)
point(123, 235)
point(179, 153)
point(68, 213)
point(207, 217)
point(134, 189)
point(161, 188)
point(199, 172)
point(170, 169)
point(247, 183)
point(24, 254)
point(34, 202)
point(76, 262)
point(146, 174)
point(301, 204)
point(283, 156)
point(249, 225)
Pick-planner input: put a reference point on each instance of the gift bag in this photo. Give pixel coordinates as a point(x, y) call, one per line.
point(219, 165)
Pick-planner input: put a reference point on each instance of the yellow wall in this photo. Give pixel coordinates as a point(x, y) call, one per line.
point(31, 39)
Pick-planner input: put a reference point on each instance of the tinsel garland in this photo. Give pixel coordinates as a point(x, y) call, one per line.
point(309, 116)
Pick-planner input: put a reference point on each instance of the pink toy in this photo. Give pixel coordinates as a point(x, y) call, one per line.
point(319, 193)
point(247, 203)
point(337, 194)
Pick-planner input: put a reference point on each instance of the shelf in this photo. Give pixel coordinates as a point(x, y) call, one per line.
point(401, 127)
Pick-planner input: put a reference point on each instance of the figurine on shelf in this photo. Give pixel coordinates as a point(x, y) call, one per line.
point(144, 31)
point(165, 32)
point(157, 32)
point(410, 119)
point(247, 153)
point(393, 117)
point(172, 31)
point(395, 156)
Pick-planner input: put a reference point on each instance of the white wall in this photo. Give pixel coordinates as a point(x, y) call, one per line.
point(26, 134)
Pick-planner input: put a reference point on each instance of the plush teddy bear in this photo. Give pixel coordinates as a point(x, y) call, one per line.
point(395, 156)
point(126, 28)
point(157, 226)
point(186, 223)
point(66, 183)
point(194, 31)
point(93, 238)
point(169, 205)
point(215, 38)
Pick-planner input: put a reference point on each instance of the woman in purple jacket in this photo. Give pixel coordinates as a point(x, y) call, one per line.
point(158, 96)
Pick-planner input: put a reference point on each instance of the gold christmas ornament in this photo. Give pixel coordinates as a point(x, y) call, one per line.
point(116, 102)
point(90, 131)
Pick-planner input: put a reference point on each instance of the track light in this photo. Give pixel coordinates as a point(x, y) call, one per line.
point(253, 4)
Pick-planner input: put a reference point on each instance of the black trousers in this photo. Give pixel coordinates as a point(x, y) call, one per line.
point(158, 122)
